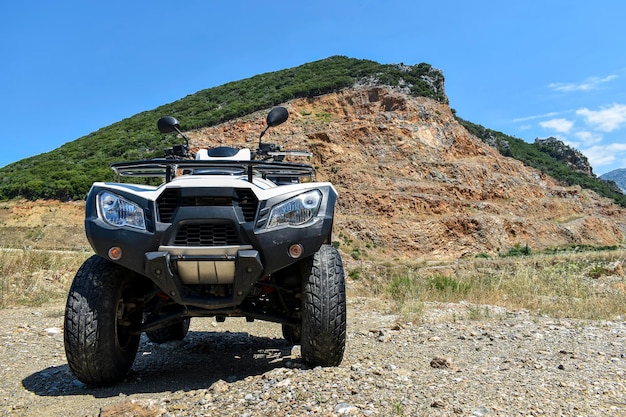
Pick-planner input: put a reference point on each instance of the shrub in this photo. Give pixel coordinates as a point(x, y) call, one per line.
point(519, 250)
point(448, 285)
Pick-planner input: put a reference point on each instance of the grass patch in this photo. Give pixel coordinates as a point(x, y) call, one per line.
point(355, 274)
point(404, 292)
point(585, 285)
point(448, 285)
point(357, 253)
point(323, 116)
point(34, 277)
point(576, 285)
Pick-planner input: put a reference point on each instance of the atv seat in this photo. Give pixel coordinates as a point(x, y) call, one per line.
point(224, 152)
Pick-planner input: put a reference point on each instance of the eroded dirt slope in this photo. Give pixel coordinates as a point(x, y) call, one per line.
point(413, 183)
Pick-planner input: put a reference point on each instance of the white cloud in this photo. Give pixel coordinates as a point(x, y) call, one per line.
point(590, 83)
point(538, 116)
point(616, 147)
point(588, 138)
point(607, 119)
point(560, 125)
point(599, 158)
point(602, 155)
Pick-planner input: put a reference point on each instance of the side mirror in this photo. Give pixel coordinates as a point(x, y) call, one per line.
point(168, 124)
point(277, 116)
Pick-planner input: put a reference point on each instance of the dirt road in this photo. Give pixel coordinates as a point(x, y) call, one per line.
point(509, 363)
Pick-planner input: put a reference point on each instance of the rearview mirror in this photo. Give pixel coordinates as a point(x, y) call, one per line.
point(168, 124)
point(277, 116)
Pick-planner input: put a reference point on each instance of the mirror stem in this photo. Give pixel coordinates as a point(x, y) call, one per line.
point(183, 135)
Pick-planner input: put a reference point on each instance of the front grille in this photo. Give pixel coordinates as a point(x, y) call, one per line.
point(220, 234)
point(242, 199)
point(206, 201)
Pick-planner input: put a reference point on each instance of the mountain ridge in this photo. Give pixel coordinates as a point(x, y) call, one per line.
point(67, 172)
point(413, 182)
point(618, 177)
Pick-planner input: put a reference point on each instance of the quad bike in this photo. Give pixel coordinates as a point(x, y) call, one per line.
point(229, 233)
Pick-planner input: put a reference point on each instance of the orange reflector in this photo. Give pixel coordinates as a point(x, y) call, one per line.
point(115, 253)
point(295, 250)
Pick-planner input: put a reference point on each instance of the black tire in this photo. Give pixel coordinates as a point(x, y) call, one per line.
point(175, 331)
point(99, 315)
point(292, 333)
point(323, 338)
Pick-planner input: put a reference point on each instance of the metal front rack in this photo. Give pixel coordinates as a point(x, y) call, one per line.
point(167, 168)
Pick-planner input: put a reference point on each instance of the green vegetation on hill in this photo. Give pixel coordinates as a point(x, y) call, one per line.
point(67, 172)
point(532, 155)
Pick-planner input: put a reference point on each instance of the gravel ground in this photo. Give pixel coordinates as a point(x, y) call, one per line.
point(507, 364)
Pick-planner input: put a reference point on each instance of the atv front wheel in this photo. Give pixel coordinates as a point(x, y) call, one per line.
point(323, 336)
point(101, 315)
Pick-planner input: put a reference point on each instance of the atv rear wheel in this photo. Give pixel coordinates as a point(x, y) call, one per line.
point(323, 337)
point(101, 314)
point(292, 333)
point(175, 331)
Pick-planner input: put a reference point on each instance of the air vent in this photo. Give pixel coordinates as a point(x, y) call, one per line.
point(247, 202)
point(207, 234)
point(167, 204)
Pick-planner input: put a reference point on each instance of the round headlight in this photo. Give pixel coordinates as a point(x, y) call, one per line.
point(108, 201)
point(310, 200)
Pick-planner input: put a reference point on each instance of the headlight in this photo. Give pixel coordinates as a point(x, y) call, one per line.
point(118, 211)
point(297, 210)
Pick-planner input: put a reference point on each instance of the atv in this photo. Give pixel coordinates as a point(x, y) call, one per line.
point(228, 233)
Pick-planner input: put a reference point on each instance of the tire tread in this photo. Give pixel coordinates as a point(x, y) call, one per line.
point(324, 308)
point(89, 331)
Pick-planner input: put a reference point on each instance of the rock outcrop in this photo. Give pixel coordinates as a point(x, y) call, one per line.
point(566, 154)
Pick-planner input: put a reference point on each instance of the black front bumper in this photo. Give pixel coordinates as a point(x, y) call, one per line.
point(248, 269)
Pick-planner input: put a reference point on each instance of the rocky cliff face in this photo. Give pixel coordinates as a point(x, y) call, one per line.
point(561, 152)
point(413, 183)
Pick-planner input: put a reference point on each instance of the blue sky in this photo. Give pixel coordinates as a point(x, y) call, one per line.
point(526, 68)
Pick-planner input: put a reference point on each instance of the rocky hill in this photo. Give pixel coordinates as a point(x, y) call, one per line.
point(414, 183)
point(66, 173)
point(618, 176)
